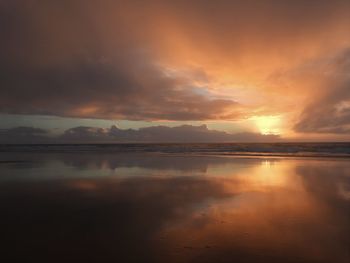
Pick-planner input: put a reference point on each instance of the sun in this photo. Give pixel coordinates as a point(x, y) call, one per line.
point(268, 124)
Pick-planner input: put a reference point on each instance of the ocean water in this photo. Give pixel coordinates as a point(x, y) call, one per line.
point(253, 149)
point(174, 203)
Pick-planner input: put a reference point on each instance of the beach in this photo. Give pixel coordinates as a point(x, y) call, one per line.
point(153, 207)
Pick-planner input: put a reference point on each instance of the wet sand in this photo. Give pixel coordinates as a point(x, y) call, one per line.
point(155, 208)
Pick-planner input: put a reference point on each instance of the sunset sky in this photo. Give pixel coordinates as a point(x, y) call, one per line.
point(267, 67)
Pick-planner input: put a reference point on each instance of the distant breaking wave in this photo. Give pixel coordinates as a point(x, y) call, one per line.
point(227, 149)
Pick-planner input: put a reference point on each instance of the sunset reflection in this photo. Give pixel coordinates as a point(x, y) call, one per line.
point(268, 212)
point(204, 210)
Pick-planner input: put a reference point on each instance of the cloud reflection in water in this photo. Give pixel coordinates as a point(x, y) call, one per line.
point(147, 208)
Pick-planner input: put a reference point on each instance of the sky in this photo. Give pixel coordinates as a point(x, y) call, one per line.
point(278, 67)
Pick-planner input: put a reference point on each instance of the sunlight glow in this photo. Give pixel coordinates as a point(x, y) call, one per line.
point(268, 124)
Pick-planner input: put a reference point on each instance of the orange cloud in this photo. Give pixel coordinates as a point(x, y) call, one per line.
point(166, 60)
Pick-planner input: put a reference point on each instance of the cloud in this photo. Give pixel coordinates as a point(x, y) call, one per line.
point(81, 134)
point(53, 68)
point(329, 112)
point(98, 90)
point(169, 60)
point(184, 133)
point(23, 135)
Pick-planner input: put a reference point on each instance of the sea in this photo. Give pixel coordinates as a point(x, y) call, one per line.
point(325, 149)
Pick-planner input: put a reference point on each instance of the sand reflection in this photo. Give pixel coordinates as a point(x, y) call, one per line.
point(204, 209)
point(273, 214)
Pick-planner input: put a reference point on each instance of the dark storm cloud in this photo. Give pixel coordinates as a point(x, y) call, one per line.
point(55, 63)
point(92, 89)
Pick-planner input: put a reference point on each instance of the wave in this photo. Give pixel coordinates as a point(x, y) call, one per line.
point(227, 149)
